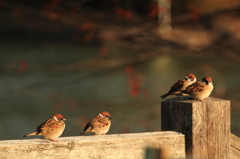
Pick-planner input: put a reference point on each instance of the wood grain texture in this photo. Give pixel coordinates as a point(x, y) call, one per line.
point(117, 146)
point(235, 147)
point(206, 125)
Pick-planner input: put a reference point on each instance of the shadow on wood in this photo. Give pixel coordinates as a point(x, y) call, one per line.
point(157, 154)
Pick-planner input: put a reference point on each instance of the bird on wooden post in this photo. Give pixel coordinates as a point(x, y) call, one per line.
point(199, 90)
point(181, 85)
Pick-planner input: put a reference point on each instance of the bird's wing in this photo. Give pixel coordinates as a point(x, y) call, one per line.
point(177, 87)
point(195, 87)
point(49, 123)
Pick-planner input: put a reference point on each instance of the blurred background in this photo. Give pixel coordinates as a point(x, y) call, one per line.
point(80, 57)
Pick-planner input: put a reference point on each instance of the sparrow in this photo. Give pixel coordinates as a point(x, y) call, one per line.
point(181, 85)
point(51, 129)
point(200, 89)
point(98, 125)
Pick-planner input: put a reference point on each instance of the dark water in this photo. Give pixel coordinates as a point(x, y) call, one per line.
point(37, 81)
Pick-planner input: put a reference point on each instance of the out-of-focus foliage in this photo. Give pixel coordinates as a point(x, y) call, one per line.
point(78, 57)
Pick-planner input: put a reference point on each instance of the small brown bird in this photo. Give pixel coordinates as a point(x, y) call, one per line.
point(98, 125)
point(181, 85)
point(200, 89)
point(51, 129)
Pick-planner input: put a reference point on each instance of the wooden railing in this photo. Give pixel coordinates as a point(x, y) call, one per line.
point(118, 146)
point(234, 147)
point(190, 128)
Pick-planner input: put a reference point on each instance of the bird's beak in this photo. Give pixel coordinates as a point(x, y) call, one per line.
point(64, 119)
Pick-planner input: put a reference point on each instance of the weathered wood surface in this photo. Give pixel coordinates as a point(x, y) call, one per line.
point(206, 125)
point(119, 146)
point(235, 147)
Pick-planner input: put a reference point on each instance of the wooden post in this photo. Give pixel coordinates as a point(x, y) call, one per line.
point(206, 125)
point(164, 16)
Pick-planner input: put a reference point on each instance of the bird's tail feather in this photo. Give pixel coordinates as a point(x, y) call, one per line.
point(34, 133)
point(82, 133)
point(164, 96)
point(86, 130)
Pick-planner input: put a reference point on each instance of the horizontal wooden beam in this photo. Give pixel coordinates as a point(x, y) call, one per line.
point(118, 146)
point(235, 147)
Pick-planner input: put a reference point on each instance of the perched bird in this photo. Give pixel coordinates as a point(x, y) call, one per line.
point(51, 129)
point(181, 85)
point(200, 89)
point(98, 125)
